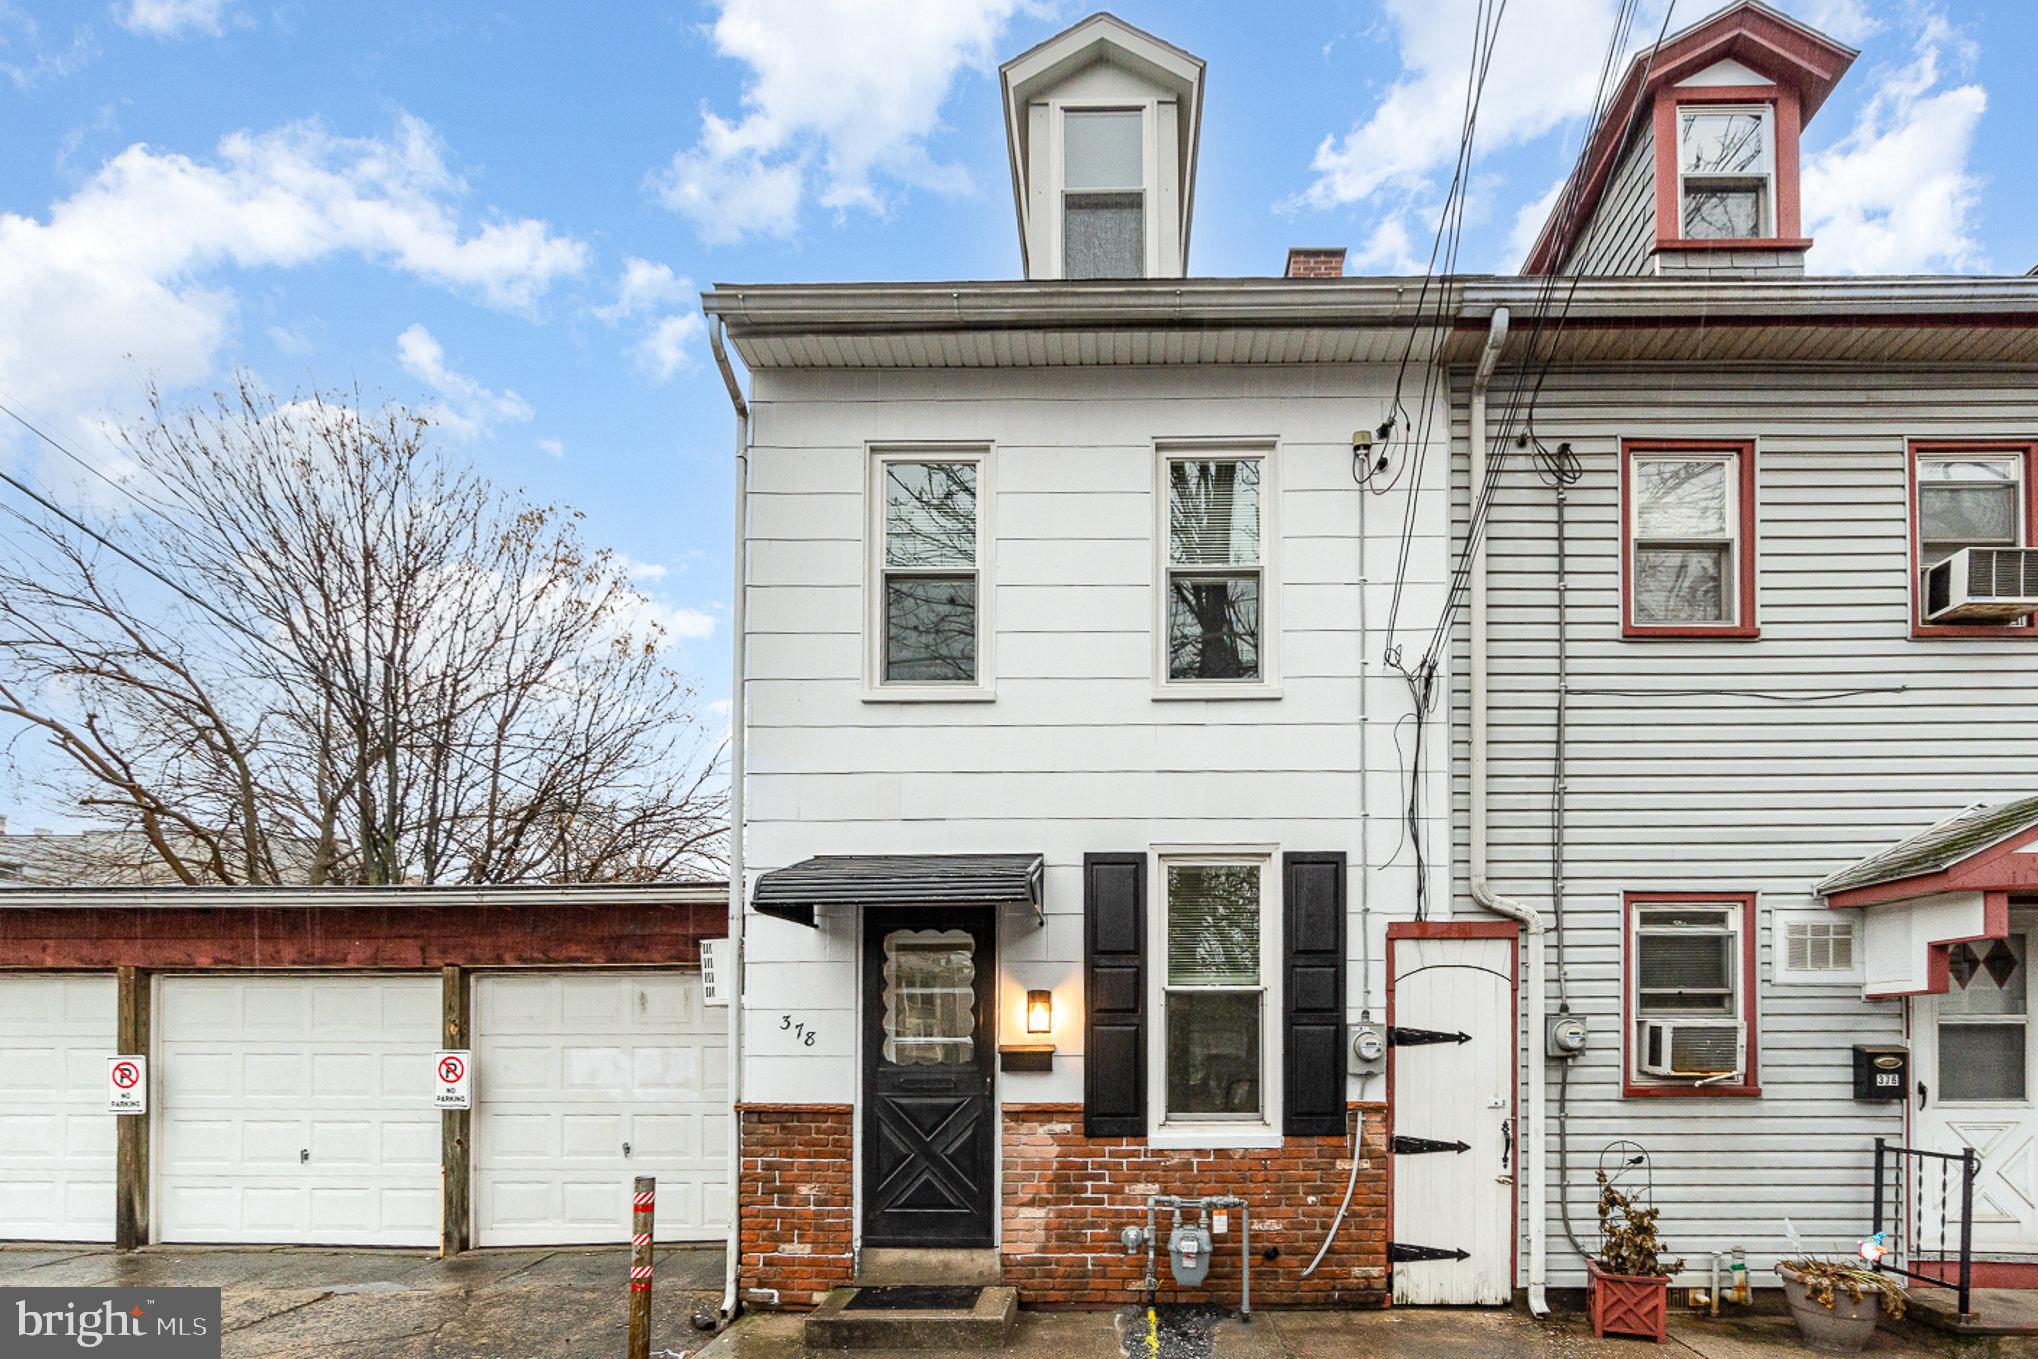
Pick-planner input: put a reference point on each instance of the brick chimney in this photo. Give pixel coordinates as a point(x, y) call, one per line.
point(1316, 261)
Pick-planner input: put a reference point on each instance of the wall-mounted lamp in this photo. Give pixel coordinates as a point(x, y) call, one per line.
point(1040, 1012)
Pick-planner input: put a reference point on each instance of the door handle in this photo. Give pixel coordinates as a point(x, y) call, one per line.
point(304, 1156)
point(1924, 1095)
point(1506, 1141)
point(626, 1151)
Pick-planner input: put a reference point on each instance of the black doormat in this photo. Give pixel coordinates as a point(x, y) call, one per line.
point(914, 1298)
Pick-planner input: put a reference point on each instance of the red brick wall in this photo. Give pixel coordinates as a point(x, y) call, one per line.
point(797, 1199)
point(1068, 1196)
point(1306, 262)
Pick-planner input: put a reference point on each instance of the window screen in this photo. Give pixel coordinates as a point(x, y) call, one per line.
point(1973, 501)
point(1685, 961)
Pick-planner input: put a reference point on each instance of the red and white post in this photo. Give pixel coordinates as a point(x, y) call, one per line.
point(640, 1266)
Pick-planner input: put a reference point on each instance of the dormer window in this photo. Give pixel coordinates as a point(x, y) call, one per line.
point(1103, 194)
point(1726, 173)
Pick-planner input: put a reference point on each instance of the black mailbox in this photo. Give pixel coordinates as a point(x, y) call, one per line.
point(1881, 1073)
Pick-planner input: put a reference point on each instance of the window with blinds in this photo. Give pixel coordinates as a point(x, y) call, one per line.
point(1214, 992)
point(1690, 996)
point(928, 579)
point(1215, 569)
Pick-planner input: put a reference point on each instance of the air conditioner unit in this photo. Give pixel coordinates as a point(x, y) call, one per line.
point(1982, 585)
point(1692, 1049)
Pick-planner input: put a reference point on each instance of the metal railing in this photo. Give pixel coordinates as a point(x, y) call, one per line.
point(1920, 1215)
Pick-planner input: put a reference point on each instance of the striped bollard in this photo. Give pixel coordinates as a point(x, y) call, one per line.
point(640, 1266)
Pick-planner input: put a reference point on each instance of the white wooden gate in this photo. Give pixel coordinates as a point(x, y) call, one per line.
point(1451, 1064)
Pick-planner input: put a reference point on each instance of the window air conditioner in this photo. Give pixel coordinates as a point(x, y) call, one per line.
point(1983, 584)
point(1691, 1048)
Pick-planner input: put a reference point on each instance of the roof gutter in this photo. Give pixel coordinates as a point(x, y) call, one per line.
point(1533, 1154)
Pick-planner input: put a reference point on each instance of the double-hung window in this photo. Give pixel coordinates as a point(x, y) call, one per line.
point(1103, 205)
point(1690, 994)
point(1216, 616)
point(1219, 1010)
point(927, 630)
point(1977, 495)
point(1726, 173)
point(1690, 559)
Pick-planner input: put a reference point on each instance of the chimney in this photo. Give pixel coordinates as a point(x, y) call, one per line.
point(1316, 261)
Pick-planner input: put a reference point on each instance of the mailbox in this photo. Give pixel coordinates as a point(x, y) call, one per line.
point(1881, 1073)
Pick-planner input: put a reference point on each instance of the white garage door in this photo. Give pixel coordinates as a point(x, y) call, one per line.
point(56, 1138)
point(584, 1080)
point(297, 1109)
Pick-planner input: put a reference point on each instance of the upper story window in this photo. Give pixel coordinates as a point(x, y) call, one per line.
point(1975, 495)
point(1689, 550)
point(1215, 599)
point(1103, 193)
point(1726, 173)
point(928, 628)
point(1690, 994)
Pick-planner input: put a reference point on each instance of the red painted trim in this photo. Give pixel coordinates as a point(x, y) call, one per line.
point(184, 938)
point(1748, 626)
point(1750, 1086)
point(1397, 932)
point(1987, 1273)
point(1797, 59)
point(2028, 450)
point(1998, 867)
point(1995, 924)
point(1784, 123)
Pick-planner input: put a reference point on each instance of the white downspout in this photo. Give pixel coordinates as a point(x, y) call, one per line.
point(1530, 1141)
point(733, 964)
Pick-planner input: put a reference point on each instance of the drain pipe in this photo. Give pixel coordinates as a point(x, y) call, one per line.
point(1482, 893)
point(733, 964)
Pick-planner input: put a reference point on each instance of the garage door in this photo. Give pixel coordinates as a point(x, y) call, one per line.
point(297, 1109)
point(56, 1138)
point(584, 1081)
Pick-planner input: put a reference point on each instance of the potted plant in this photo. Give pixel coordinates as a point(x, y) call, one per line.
point(1628, 1283)
point(1834, 1302)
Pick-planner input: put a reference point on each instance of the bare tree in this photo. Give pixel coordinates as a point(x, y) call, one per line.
point(321, 651)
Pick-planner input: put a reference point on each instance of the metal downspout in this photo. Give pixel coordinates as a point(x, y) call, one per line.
point(1532, 923)
point(733, 964)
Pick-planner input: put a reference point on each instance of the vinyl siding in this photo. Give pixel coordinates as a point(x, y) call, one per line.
point(1074, 754)
point(1621, 237)
point(1693, 791)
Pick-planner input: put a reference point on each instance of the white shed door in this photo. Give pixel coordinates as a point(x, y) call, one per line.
point(585, 1080)
point(1447, 1091)
point(297, 1109)
point(56, 1138)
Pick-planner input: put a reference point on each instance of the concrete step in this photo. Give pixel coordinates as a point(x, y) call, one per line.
point(1997, 1311)
point(866, 1318)
point(889, 1265)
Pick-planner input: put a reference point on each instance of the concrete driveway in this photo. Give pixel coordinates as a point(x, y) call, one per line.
point(287, 1303)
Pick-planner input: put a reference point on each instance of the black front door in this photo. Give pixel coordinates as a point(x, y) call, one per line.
point(929, 1049)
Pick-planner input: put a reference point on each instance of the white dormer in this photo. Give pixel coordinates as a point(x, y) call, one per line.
point(1101, 121)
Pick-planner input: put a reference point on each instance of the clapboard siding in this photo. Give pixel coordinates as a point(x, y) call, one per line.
point(1684, 791)
point(1074, 754)
point(1621, 237)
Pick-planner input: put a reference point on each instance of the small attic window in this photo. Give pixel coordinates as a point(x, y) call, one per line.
point(1104, 194)
point(1726, 164)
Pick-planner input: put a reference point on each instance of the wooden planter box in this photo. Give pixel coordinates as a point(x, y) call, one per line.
point(1627, 1304)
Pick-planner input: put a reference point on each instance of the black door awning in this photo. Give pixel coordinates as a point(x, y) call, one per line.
point(933, 880)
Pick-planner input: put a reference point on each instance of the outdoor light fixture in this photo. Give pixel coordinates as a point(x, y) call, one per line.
point(1040, 1012)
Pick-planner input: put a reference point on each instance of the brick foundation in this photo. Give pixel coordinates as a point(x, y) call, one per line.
point(1068, 1196)
point(796, 1198)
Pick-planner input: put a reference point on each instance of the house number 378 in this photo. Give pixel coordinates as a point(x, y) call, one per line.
point(800, 1032)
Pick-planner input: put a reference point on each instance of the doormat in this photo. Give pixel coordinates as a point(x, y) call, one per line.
point(914, 1298)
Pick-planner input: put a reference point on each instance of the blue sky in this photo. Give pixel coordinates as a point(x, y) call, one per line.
point(505, 213)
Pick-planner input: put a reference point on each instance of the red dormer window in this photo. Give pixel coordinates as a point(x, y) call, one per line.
point(1726, 168)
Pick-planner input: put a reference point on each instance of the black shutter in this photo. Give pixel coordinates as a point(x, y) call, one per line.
point(1114, 995)
point(1313, 995)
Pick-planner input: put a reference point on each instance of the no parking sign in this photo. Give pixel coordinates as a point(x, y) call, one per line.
point(454, 1073)
point(127, 1085)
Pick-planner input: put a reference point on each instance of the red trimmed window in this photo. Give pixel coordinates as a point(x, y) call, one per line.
point(1976, 493)
point(1688, 538)
point(1726, 168)
point(1688, 999)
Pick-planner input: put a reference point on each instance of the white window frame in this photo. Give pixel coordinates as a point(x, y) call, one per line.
point(1189, 1133)
point(1738, 1008)
point(1268, 684)
point(1730, 582)
point(875, 688)
point(1149, 171)
point(1768, 116)
point(2020, 536)
point(1781, 973)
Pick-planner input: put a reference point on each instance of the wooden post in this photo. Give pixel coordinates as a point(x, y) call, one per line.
point(131, 1131)
point(455, 1125)
point(641, 1214)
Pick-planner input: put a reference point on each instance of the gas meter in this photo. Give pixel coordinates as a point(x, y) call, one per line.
point(1189, 1253)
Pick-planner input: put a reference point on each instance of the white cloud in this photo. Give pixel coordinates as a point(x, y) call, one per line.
point(1528, 225)
point(26, 60)
point(175, 18)
point(643, 287)
point(466, 409)
point(665, 340)
point(552, 448)
point(841, 102)
point(642, 570)
point(131, 276)
point(667, 348)
point(1896, 194)
point(1848, 20)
